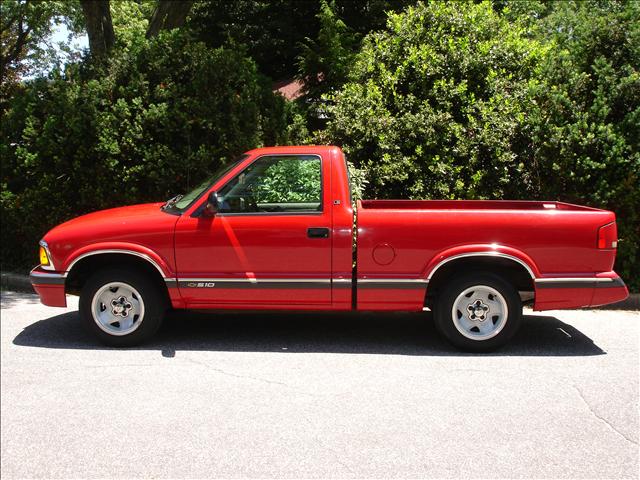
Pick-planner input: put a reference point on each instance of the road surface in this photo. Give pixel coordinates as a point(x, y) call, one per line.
point(317, 396)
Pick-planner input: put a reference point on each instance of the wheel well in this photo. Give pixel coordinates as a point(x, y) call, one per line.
point(84, 268)
point(510, 270)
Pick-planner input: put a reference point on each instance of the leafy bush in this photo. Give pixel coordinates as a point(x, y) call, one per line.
point(436, 103)
point(324, 63)
point(163, 116)
point(301, 179)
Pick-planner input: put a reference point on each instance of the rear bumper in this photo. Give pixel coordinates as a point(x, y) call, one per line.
point(612, 291)
point(49, 286)
point(577, 292)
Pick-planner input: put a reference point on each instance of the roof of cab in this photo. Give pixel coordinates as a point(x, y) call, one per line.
point(317, 149)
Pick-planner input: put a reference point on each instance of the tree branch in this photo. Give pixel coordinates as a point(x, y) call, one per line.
point(167, 15)
point(10, 22)
point(13, 53)
point(99, 25)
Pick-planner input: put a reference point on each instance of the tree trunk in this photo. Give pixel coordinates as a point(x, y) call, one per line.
point(168, 14)
point(99, 26)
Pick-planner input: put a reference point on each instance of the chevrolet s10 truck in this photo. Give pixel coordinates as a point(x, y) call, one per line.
point(275, 230)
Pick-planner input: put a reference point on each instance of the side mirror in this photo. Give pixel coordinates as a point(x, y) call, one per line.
point(211, 207)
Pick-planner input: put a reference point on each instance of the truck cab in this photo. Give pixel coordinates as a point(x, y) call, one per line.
point(276, 232)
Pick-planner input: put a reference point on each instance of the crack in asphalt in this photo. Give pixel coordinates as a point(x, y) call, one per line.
point(229, 374)
point(257, 379)
point(600, 417)
point(119, 365)
point(327, 448)
point(274, 382)
point(218, 370)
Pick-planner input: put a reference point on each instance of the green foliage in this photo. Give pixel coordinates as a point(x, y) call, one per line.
point(130, 21)
point(358, 181)
point(324, 63)
point(158, 120)
point(290, 181)
point(25, 31)
point(272, 30)
point(436, 103)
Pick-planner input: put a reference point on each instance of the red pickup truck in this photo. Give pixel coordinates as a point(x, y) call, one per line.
point(276, 230)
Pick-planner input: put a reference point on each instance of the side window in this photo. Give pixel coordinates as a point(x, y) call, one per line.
point(287, 183)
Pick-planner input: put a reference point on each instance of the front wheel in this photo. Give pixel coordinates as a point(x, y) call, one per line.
point(122, 307)
point(478, 312)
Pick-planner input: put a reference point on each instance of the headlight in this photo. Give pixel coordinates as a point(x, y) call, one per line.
point(45, 256)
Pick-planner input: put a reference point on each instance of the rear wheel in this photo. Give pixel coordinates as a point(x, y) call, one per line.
point(122, 307)
point(478, 312)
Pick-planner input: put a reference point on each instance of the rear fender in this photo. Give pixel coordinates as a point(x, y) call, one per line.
point(480, 250)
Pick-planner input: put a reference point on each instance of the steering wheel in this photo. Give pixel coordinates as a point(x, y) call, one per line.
point(250, 199)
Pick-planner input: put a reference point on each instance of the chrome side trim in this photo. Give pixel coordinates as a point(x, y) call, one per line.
point(393, 283)
point(394, 280)
point(45, 245)
point(127, 252)
point(577, 279)
point(256, 280)
point(579, 282)
point(341, 283)
point(482, 254)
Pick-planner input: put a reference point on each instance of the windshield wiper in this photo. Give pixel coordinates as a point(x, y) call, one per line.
point(171, 202)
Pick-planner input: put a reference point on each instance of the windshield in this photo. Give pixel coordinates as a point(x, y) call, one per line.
point(186, 200)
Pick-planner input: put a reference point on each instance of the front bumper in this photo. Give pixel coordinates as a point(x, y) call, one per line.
point(50, 286)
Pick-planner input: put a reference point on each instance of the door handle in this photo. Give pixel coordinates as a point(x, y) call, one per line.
point(315, 232)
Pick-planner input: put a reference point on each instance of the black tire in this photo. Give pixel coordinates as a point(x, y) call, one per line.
point(504, 321)
point(154, 306)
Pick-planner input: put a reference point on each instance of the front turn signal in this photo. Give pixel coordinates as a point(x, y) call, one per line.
point(44, 258)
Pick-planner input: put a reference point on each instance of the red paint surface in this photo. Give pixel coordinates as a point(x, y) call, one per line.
point(51, 295)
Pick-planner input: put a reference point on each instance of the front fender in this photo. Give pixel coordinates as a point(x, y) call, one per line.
point(119, 247)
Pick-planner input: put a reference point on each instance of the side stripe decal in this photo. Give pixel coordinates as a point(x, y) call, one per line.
point(302, 283)
point(253, 283)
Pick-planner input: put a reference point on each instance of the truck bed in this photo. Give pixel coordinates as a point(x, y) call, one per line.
point(471, 205)
point(404, 239)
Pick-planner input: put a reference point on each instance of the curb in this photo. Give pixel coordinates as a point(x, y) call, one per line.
point(16, 282)
point(21, 283)
point(632, 302)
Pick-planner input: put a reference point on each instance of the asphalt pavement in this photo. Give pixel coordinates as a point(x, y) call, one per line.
point(317, 396)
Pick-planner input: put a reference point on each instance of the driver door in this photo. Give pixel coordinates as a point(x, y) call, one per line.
point(269, 243)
